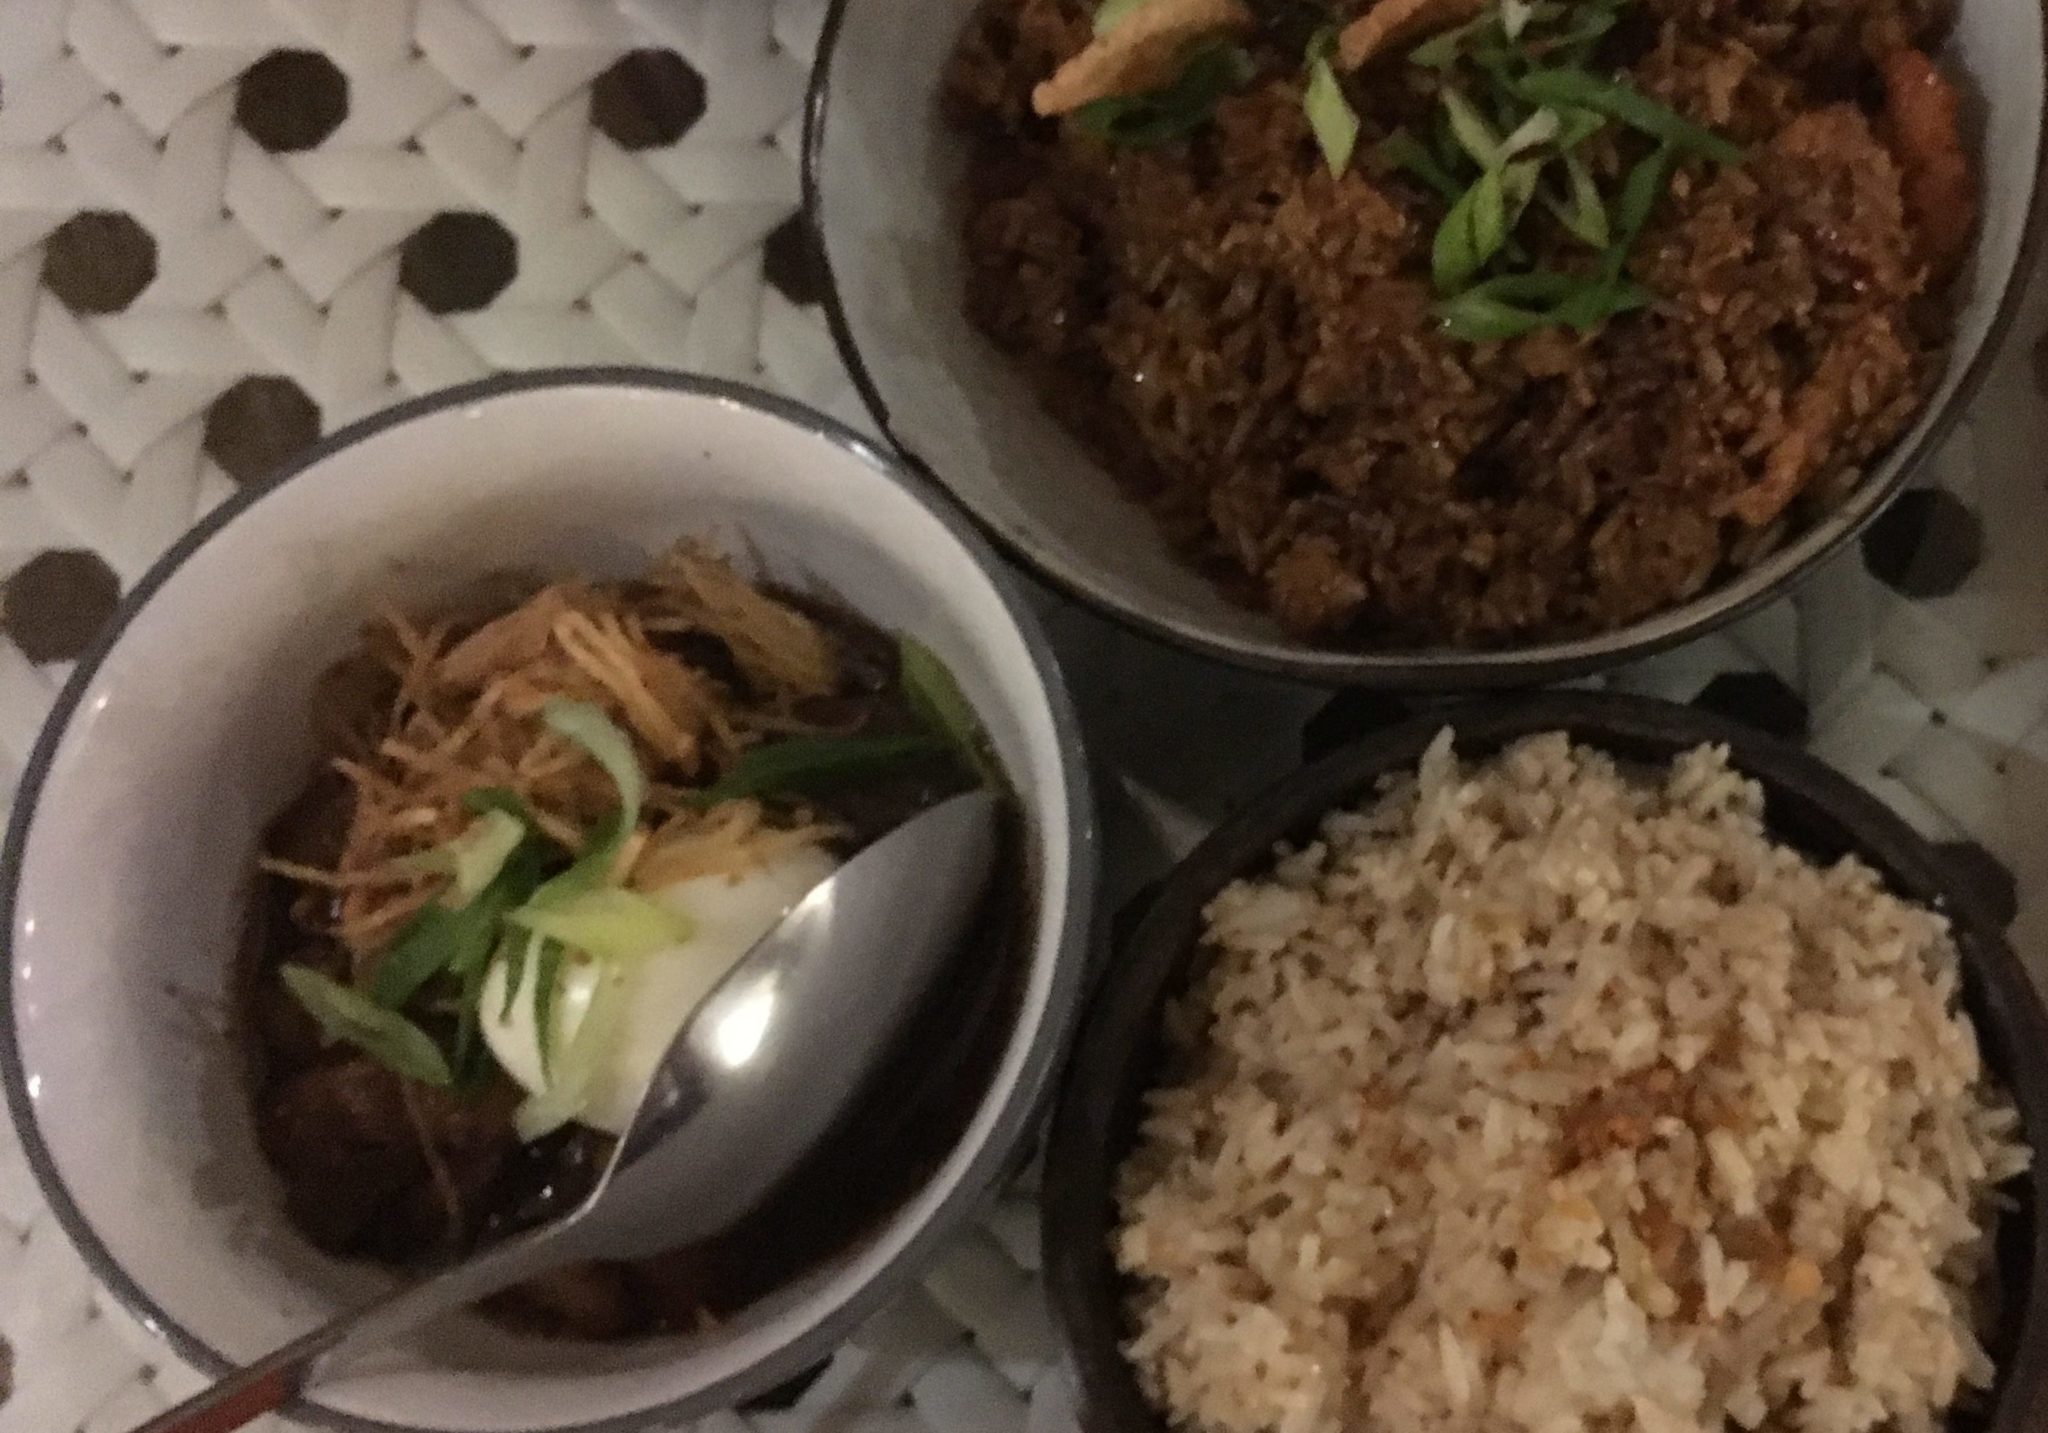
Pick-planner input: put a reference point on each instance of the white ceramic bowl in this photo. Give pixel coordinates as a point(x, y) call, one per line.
point(882, 177)
point(125, 870)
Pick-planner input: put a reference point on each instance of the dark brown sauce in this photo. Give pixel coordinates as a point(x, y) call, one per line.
point(350, 1141)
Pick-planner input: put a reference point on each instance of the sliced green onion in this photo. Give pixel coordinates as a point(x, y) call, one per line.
point(1330, 116)
point(1514, 17)
point(609, 747)
point(518, 952)
point(810, 764)
point(1576, 126)
point(457, 941)
point(1583, 212)
point(547, 980)
point(1111, 11)
point(1405, 152)
point(935, 696)
point(1212, 70)
point(1618, 101)
point(1474, 317)
point(1518, 187)
point(611, 924)
point(575, 1064)
point(1597, 302)
point(1470, 234)
point(1474, 135)
point(480, 800)
point(1539, 128)
point(384, 1035)
point(473, 858)
point(1574, 44)
point(1640, 191)
point(1442, 49)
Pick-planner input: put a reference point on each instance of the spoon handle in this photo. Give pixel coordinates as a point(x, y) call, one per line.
point(276, 1379)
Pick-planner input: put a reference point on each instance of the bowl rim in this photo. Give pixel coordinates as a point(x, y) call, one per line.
point(1066, 950)
point(1442, 669)
point(1106, 1074)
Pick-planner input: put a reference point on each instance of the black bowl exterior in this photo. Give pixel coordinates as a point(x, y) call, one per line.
point(1808, 806)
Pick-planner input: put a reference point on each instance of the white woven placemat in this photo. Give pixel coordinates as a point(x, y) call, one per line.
point(226, 225)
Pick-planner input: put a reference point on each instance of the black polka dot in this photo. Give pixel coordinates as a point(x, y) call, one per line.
point(1758, 699)
point(1984, 880)
point(648, 98)
point(55, 605)
point(454, 263)
point(1924, 545)
point(784, 1396)
point(98, 261)
point(259, 424)
point(291, 99)
point(792, 264)
point(1347, 717)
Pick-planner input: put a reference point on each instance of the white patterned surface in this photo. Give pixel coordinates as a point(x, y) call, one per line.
point(288, 264)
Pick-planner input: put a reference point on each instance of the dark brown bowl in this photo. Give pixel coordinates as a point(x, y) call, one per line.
point(1807, 805)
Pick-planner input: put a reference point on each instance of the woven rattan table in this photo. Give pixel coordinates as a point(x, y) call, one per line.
point(227, 226)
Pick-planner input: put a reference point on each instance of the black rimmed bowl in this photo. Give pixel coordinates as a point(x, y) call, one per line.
point(1808, 806)
point(882, 174)
point(125, 874)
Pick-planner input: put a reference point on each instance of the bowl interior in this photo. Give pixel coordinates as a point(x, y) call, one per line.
point(883, 173)
point(1808, 806)
point(142, 813)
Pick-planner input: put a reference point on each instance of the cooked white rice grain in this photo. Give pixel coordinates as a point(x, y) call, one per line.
point(1541, 1096)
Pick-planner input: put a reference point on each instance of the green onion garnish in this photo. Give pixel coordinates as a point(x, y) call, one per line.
point(384, 1035)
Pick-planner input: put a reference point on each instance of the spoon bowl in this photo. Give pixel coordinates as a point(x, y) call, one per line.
point(757, 1072)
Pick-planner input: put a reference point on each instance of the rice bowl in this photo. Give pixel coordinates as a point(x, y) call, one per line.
point(1552, 1092)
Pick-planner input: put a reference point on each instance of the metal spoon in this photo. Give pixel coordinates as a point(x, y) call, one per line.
point(752, 1079)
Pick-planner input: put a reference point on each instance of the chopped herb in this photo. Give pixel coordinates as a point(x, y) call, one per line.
point(1470, 234)
point(1575, 126)
point(517, 951)
point(611, 924)
point(472, 859)
point(1514, 304)
point(1583, 212)
point(611, 749)
point(1630, 106)
point(1600, 301)
point(1405, 152)
point(1212, 69)
point(1444, 48)
point(547, 978)
point(809, 764)
point(1470, 128)
point(1639, 194)
point(1538, 129)
point(937, 699)
point(1516, 105)
point(1330, 115)
point(384, 1035)
point(457, 941)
